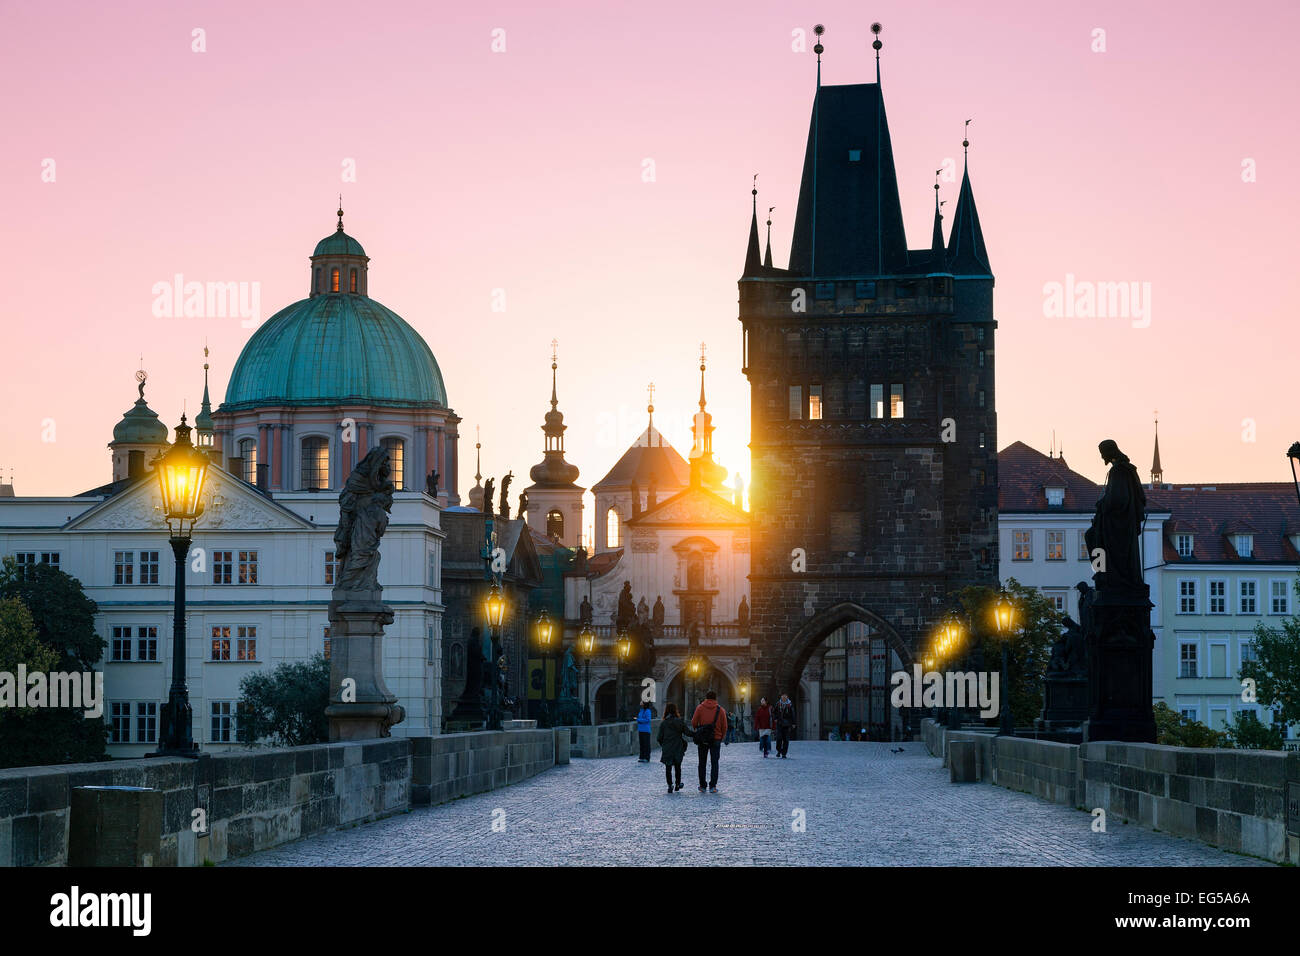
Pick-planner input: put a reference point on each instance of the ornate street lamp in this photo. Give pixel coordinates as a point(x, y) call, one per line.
point(1294, 454)
point(545, 631)
point(587, 645)
point(494, 606)
point(494, 610)
point(1004, 615)
point(695, 666)
point(744, 696)
point(181, 473)
point(624, 648)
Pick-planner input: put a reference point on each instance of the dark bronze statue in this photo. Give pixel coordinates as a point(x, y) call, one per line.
point(657, 615)
point(523, 503)
point(431, 484)
point(585, 612)
point(487, 496)
point(1117, 525)
point(626, 615)
point(742, 615)
point(364, 505)
point(505, 494)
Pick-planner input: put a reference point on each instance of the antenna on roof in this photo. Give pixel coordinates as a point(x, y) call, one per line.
point(818, 30)
point(965, 140)
point(876, 45)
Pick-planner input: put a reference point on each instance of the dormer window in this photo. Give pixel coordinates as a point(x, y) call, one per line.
point(1183, 542)
point(334, 280)
point(1245, 545)
point(1055, 497)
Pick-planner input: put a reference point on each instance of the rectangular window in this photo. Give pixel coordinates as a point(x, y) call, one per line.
point(428, 645)
point(50, 558)
point(1218, 660)
point(877, 401)
point(1055, 497)
point(148, 567)
point(120, 648)
point(1191, 713)
point(981, 398)
point(222, 567)
point(1057, 598)
point(326, 650)
point(896, 401)
point(814, 403)
point(1249, 603)
point(1187, 660)
point(796, 402)
point(1218, 597)
point(1278, 601)
point(247, 567)
point(1083, 547)
point(146, 722)
point(1187, 597)
point(146, 638)
point(123, 567)
point(981, 439)
point(1056, 546)
point(246, 643)
point(329, 567)
point(1245, 544)
point(1184, 544)
point(433, 570)
point(220, 643)
point(25, 559)
point(119, 722)
point(1248, 652)
point(223, 722)
point(1020, 546)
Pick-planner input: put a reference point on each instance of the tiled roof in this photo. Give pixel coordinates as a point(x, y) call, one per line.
point(1269, 510)
point(1025, 474)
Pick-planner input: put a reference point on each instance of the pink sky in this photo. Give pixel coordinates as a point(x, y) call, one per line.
point(522, 171)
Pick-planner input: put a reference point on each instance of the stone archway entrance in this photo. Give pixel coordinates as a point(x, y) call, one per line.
point(836, 669)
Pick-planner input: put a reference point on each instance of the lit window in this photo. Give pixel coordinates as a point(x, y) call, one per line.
point(246, 643)
point(223, 563)
point(612, 528)
point(248, 452)
point(1056, 546)
point(220, 643)
point(334, 280)
point(247, 567)
point(814, 402)
point(877, 401)
point(896, 401)
point(352, 280)
point(329, 567)
point(1083, 547)
point(326, 650)
point(796, 402)
point(1020, 546)
point(396, 449)
point(315, 463)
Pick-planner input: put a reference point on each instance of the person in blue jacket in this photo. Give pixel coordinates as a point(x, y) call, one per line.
point(643, 718)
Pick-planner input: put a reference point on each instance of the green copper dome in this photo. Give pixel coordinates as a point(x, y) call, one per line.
point(140, 425)
point(338, 243)
point(336, 349)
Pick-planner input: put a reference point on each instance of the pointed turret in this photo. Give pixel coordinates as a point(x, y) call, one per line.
point(767, 256)
point(753, 258)
point(938, 255)
point(703, 468)
point(554, 501)
point(1157, 473)
point(966, 252)
point(203, 420)
point(476, 493)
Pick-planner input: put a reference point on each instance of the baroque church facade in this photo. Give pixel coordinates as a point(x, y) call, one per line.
point(315, 386)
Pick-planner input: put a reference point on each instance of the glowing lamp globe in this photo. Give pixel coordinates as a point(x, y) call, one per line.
point(587, 639)
point(181, 470)
point(544, 628)
point(1004, 613)
point(495, 606)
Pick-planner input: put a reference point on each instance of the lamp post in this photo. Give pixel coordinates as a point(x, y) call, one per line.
point(494, 608)
point(744, 694)
point(624, 648)
point(1004, 615)
point(1294, 454)
point(181, 472)
point(587, 644)
point(545, 630)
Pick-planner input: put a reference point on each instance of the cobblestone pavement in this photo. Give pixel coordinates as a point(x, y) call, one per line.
point(863, 805)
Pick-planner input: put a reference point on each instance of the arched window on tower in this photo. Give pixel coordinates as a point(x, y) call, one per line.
point(396, 449)
point(612, 539)
point(555, 524)
point(248, 452)
point(352, 280)
point(334, 280)
point(320, 281)
point(315, 463)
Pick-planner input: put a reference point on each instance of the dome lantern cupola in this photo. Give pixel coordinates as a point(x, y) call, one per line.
point(138, 437)
point(339, 264)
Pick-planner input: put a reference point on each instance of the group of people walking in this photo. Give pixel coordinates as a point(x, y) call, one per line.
point(708, 729)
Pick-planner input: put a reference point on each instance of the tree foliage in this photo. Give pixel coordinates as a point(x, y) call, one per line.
point(64, 616)
point(1248, 732)
point(286, 705)
point(1175, 730)
point(1276, 668)
point(1037, 625)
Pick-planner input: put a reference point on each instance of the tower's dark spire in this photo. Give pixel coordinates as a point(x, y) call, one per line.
point(553, 471)
point(767, 256)
point(966, 252)
point(1157, 473)
point(753, 258)
point(938, 255)
point(340, 213)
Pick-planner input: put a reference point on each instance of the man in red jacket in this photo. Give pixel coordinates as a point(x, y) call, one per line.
point(763, 725)
point(710, 723)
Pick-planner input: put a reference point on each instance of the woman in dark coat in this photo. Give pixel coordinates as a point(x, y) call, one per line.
point(672, 745)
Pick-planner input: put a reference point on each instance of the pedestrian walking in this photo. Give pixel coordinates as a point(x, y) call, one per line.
point(710, 723)
point(643, 718)
point(763, 725)
point(784, 719)
point(672, 745)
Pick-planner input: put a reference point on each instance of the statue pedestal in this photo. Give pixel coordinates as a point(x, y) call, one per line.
point(1065, 703)
point(366, 708)
point(1120, 642)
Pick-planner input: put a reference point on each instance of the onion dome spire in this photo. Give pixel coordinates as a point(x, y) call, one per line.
point(553, 471)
